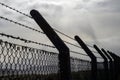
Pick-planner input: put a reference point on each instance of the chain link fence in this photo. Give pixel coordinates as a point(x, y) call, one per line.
point(19, 62)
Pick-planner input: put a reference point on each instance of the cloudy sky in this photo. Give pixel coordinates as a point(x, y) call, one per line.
point(95, 21)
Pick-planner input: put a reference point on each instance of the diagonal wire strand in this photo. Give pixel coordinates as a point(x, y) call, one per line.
point(20, 24)
point(79, 53)
point(32, 18)
point(14, 9)
point(25, 40)
point(36, 29)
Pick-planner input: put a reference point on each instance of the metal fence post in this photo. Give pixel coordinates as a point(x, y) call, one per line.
point(111, 64)
point(105, 62)
point(91, 55)
point(64, 55)
point(116, 64)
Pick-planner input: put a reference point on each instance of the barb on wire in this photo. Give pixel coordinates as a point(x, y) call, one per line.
point(33, 28)
point(15, 10)
point(25, 40)
point(20, 24)
point(79, 53)
point(32, 18)
point(72, 44)
point(84, 54)
point(64, 34)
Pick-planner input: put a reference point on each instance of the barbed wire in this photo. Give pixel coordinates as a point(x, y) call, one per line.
point(20, 24)
point(15, 9)
point(25, 40)
point(31, 28)
point(72, 44)
point(84, 54)
point(79, 53)
point(32, 18)
point(28, 47)
point(15, 22)
point(64, 34)
point(29, 41)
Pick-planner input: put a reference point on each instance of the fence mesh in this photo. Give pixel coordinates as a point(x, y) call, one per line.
point(22, 62)
point(18, 61)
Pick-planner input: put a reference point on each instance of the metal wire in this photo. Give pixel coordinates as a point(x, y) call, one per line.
point(25, 40)
point(79, 53)
point(29, 41)
point(84, 54)
point(19, 62)
point(20, 24)
point(72, 44)
point(33, 30)
point(80, 65)
point(15, 9)
point(32, 18)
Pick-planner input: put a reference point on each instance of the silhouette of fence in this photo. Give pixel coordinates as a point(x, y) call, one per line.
point(19, 62)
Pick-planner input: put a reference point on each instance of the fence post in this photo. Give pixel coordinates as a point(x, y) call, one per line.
point(116, 64)
point(105, 62)
point(91, 55)
point(111, 64)
point(64, 55)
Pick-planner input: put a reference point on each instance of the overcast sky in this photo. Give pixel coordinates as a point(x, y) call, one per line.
point(95, 21)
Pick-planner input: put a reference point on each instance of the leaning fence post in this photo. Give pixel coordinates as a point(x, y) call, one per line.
point(91, 55)
point(116, 64)
point(105, 62)
point(64, 55)
point(111, 64)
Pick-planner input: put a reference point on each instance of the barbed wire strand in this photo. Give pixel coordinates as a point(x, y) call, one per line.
point(20, 24)
point(32, 18)
point(28, 47)
point(33, 30)
point(14, 9)
point(36, 29)
point(25, 40)
point(78, 53)
point(84, 54)
point(29, 41)
point(72, 44)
